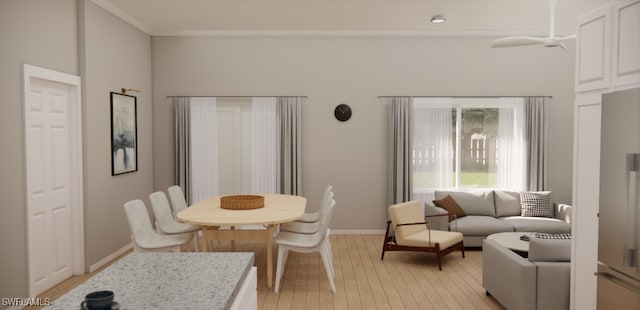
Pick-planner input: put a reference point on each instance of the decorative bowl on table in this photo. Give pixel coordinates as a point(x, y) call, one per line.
point(241, 202)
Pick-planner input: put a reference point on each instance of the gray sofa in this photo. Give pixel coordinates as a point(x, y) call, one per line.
point(494, 211)
point(541, 281)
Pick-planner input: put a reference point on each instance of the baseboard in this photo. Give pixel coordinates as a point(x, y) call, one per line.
point(357, 231)
point(111, 257)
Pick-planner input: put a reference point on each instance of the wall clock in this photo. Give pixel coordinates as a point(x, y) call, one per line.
point(342, 112)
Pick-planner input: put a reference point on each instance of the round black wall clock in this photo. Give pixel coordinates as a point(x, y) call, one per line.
point(342, 112)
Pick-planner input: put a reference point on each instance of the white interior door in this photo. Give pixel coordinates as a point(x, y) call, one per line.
point(52, 160)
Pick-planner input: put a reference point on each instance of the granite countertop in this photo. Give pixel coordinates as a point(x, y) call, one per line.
point(167, 281)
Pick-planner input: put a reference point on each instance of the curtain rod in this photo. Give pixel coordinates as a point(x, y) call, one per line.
point(233, 96)
point(466, 96)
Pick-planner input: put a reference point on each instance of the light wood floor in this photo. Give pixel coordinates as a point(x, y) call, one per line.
point(404, 280)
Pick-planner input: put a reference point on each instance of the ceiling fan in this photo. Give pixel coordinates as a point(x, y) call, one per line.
point(550, 41)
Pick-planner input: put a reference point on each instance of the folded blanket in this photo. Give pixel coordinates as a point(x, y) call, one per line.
point(526, 237)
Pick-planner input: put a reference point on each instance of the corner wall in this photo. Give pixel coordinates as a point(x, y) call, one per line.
point(80, 38)
point(40, 33)
point(356, 70)
point(113, 55)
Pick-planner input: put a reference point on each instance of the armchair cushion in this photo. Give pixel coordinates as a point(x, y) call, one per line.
point(421, 239)
point(407, 212)
point(449, 204)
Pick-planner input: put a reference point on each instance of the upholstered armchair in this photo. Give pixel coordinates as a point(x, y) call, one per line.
point(409, 231)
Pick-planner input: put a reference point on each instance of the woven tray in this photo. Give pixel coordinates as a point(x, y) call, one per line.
point(241, 202)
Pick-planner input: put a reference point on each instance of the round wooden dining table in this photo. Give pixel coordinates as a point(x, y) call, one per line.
point(277, 209)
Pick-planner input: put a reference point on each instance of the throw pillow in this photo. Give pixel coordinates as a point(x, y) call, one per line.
point(536, 204)
point(449, 204)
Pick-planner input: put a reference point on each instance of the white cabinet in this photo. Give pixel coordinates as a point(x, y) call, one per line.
point(607, 60)
point(608, 47)
point(593, 50)
point(625, 64)
point(584, 224)
point(247, 296)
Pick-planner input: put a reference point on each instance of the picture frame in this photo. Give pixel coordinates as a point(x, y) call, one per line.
point(124, 134)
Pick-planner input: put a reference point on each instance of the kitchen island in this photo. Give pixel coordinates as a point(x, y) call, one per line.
point(173, 281)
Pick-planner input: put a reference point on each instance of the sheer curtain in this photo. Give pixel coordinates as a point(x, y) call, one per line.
point(433, 146)
point(265, 147)
point(204, 155)
point(510, 153)
point(399, 140)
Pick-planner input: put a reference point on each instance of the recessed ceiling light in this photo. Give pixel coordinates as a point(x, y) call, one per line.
point(438, 19)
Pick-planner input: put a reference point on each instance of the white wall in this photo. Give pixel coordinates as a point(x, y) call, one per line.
point(41, 34)
point(113, 55)
point(355, 70)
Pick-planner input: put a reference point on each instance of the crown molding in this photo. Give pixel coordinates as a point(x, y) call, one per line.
point(110, 7)
point(107, 5)
point(350, 33)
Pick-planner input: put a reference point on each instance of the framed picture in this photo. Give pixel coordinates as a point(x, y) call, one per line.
point(124, 134)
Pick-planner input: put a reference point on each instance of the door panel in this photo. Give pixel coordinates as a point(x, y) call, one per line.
point(48, 185)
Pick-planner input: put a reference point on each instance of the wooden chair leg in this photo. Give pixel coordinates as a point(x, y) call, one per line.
point(386, 239)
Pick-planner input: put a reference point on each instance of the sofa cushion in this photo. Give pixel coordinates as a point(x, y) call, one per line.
point(549, 250)
point(449, 204)
point(507, 203)
point(474, 225)
point(536, 204)
point(473, 203)
point(537, 224)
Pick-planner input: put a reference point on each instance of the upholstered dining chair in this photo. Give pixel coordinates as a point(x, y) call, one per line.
point(144, 238)
point(312, 217)
point(409, 231)
point(177, 198)
point(307, 243)
point(166, 223)
point(306, 225)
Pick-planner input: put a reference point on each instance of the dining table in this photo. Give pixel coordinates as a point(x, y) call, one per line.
point(210, 216)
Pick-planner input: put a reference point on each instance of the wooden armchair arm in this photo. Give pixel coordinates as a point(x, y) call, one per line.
point(434, 215)
point(417, 223)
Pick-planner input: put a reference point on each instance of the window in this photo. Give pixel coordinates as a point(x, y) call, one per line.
point(462, 143)
point(233, 146)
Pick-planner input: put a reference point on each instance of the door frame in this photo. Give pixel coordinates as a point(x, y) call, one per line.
point(75, 175)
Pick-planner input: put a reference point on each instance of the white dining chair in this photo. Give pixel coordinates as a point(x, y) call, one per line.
point(166, 223)
point(313, 227)
point(307, 243)
point(144, 238)
point(177, 198)
point(305, 226)
point(312, 217)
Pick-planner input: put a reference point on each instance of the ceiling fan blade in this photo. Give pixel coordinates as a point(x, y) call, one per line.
point(517, 41)
point(564, 47)
point(569, 37)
